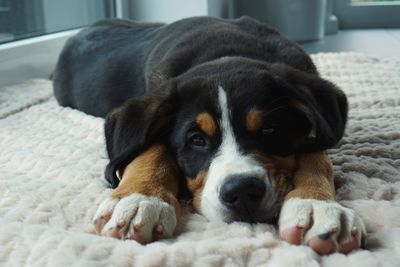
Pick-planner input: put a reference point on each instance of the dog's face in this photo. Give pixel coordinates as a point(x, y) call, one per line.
point(224, 145)
point(234, 127)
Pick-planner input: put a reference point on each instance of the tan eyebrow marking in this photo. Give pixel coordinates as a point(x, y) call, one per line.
point(302, 107)
point(254, 120)
point(206, 123)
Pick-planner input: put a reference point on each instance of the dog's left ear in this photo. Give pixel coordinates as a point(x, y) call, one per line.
point(328, 107)
point(133, 127)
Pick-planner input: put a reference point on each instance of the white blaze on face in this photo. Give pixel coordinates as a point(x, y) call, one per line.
point(227, 161)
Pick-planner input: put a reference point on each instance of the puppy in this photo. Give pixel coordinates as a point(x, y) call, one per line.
point(227, 109)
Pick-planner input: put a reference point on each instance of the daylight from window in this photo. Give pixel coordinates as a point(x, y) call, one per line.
point(20, 19)
point(375, 1)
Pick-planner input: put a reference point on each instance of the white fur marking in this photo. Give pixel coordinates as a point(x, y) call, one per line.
point(118, 174)
point(228, 161)
point(138, 209)
point(324, 216)
point(106, 207)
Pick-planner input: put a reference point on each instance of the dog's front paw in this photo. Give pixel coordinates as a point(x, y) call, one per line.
point(325, 226)
point(137, 217)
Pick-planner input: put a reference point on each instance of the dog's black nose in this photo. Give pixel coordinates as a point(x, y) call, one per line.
point(242, 194)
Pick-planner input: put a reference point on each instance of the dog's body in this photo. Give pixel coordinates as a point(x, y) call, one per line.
point(114, 60)
point(229, 109)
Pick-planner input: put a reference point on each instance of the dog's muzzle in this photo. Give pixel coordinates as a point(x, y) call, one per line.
point(243, 195)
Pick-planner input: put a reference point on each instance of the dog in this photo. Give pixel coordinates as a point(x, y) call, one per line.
point(227, 110)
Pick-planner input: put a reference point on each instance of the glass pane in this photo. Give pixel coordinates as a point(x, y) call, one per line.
point(21, 19)
point(377, 1)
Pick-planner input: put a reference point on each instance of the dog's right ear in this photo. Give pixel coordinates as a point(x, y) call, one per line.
point(133, 127)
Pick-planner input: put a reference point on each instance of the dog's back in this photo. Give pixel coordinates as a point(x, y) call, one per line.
point(102, 65)
point(114, 60)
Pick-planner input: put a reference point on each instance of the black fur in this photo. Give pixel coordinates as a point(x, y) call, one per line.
point(159, 77)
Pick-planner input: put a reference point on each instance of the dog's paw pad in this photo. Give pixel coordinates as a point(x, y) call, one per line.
point(293, 235)
point(103, 214)
point(114, 231)
point(322, 245)
point(158, 232)
point(325, 226)
point(353, 242)
point(136, 235)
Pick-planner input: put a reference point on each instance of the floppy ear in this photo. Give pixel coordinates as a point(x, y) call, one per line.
point(328, 112)
point(323, 104)
point(132, 127)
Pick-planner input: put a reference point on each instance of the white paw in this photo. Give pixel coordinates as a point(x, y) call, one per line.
point(138, 217)
point(325, 226)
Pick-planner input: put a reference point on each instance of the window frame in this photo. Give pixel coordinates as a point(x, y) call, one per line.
point(35, 57)
point(364, 15)
point(31, 58)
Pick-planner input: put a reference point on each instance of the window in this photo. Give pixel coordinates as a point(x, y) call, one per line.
point(368, 13)
point(21, 19)
point(32, 33)
point(384, 2)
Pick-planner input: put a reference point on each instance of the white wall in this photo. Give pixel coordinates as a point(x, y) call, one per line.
point(166, 10)
point(62, 14)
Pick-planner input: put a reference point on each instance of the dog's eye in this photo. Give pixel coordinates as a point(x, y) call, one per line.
point(267, 130)
point(197, 140)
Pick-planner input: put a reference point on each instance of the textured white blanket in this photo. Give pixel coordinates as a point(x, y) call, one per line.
point(51, 182)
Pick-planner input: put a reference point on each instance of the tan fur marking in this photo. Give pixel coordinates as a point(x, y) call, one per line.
point(152, 173)
point(280, 170)
point(254, 120)
point(313, 178)
point(303, 176)
point(206, 123)
point(302, 107)
point(196, 186)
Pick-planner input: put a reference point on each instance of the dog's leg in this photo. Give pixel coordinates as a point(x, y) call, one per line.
point(144, 206)
point(310, 214)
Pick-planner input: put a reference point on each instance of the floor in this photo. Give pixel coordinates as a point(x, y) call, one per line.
point(5, 37)
point(373, 42)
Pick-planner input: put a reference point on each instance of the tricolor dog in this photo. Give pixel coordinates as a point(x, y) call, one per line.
point(227, 109)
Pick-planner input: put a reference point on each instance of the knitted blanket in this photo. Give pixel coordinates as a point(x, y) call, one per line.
point(51, 183)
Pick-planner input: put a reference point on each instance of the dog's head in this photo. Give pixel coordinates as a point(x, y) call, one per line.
point(234, 126)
